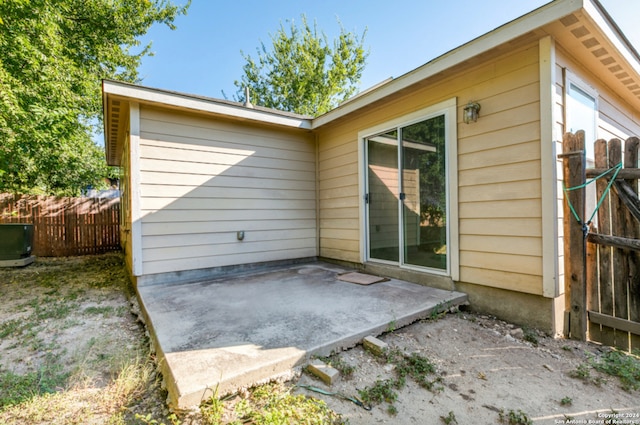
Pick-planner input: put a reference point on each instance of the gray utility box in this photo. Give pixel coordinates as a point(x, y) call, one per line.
point(16, 241)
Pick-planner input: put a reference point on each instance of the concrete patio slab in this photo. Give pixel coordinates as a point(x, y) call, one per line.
point(236, 331)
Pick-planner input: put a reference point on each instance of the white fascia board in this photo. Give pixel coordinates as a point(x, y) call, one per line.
point(514, 29)
point(144, 94)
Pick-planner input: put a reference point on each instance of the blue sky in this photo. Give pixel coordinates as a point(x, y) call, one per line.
point(202, 56)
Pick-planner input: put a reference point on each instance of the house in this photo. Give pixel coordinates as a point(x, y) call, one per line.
point(393, 181)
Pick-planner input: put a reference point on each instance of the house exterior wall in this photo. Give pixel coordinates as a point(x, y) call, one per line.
point(498, 171)
point(614, 119)
point(202, 180)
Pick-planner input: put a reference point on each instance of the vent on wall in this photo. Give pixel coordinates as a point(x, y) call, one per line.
point(113, 130)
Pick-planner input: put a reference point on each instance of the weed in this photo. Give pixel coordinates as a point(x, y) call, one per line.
point(583, 372)
point(274, 404)
point(566, 348)
point(392, 410)
point(345, 369)
point(106, 311)
point(566, 401)
point(439, 310)
point(514, 418)
point(624, 366)
point(212, 410)
point(450, 419)
point(15, 389)
point(414, 366)
point(392, 326)
point(382, 390)
point(530, 335)
point(11, 327)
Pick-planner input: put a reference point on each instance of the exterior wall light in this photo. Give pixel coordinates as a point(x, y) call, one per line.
point(471, 112)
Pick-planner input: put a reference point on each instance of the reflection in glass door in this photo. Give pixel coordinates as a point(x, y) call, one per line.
point(382, 177)
point(406, 195)
point(423, 195)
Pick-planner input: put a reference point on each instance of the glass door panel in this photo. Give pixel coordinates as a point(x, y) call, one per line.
point(423, 194)
point(383, 195)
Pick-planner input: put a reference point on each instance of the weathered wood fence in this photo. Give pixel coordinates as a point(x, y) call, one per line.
point(65, 226)
point(602, 249)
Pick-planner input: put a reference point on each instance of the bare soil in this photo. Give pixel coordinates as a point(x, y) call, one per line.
point(487, 367)
point(81, 312)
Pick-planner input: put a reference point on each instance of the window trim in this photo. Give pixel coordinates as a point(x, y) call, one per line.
point(580, 86)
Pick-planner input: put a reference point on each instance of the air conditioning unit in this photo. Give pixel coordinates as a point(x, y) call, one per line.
point(16, 241)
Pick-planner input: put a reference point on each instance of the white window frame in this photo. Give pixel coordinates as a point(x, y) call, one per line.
point(573, 83)
point(448, 108)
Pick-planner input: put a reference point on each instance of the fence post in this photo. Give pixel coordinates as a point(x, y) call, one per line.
point(631, 161)
point(573, 156)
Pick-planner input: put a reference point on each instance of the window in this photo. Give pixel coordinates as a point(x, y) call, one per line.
point(408, 171)
point(581, 112)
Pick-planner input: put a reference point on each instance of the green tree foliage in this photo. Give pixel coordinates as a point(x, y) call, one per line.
point(53, 55)
point(303, 72)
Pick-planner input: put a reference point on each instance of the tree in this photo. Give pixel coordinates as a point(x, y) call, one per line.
point(303, 72)
point(53, 56)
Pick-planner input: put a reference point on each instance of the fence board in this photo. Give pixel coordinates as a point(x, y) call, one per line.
point(575, 244)
point(612, 281)
point(605, 334)
point(66, 226)
point(620, 257)
point(633, 231)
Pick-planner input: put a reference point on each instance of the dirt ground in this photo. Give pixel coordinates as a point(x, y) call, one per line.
point(77, 314)
point(486, 367)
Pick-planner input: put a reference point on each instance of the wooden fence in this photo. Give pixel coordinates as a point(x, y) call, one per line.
point(602, 249)
point(65, 226)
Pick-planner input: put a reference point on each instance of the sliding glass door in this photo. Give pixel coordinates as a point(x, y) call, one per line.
point(407, 195)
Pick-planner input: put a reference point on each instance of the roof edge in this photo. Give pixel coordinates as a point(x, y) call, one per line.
point(203, 104)
point(535, 19)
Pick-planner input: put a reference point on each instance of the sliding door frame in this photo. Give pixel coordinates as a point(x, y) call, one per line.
point(448, 108)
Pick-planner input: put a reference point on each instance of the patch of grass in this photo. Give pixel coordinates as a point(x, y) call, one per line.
point(413, 365)
point(15, 389)
point(450, 419)
point(346, 370)
point(381, 390)
point(626, 367)
point(566, 401)
point(77, 405)
point(274, 404)
point(11, 327)
point(514, 418)
point(583, 372)
point(440, 310)
point(530, 335)
point(106, 311)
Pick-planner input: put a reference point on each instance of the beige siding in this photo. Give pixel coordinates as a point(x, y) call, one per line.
point(498, 170)
point(203, 180)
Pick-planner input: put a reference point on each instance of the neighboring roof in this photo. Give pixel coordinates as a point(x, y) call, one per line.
point(582, 27)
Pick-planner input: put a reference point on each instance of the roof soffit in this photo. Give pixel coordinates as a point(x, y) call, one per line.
point(605, 53)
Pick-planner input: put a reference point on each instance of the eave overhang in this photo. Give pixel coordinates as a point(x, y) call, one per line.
point(573, 23)
point(116, 97)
